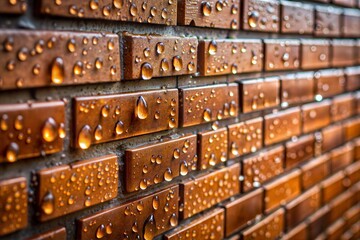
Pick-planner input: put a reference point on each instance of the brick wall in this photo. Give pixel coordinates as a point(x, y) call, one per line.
point(169, 119)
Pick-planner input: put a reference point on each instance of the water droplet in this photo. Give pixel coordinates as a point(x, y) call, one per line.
point(172, 123)
point(105, 110)
point(140, 206)
point(153, 11)
point(36, 69)
point(19, 122)
point(94, 4)
point(109, 228)
point(150, 228)
point(146, 71)
point(98, 133)
point(212, 160)
point(133, 10)
point(12, 152)
point(164, 65)
point(143, 184)
point(57, 71)
point(176, 153)
point(98, 63)
point(168, 175)
point(141, 108)
point(118, 3)
point(84, 138)
point(253, 18)
point(9, 44)
point(219, 5)
point(78, 68)
point(191, 66)
point(49, 130)
point(234, 149)
point(119, 128)
point(212, 47)
point(160, 47)
point(164, 13)
point(47, 204)
point(4, 122)
point(207, 115)
point(156, 202)
point(177, 63)
point(71, 45)
point(23, 54)
point(234, 68)
point(173, 220)
point(206, 9)
point(232, 108)
point(184, 168)
point(100, 232)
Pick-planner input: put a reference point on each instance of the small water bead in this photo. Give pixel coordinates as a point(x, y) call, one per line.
point(191, 66)
point(94, 4)
point(4, 125)
point(160, 47)
point(12, 152)
point(19, 122)
point(253, 18)
point(47, 204)
point(168, 176)
point(98, 135)
point(207, 115)
point(8, 44)
point(49, 130)
point(57, 71)
point(39, 46)
point(172, 123)
point(176, 153)
point(184, 169)
point(23, 54)
point(164, 13)
point(118, 3)
point(206, 8)
point(100, 232)
point(36, 69)
point(140, 206)
point(143, 184)
point(99, 63)
point(219, 5)
point(153, 11)
point(71, 45)
point(146, 71)
point(133, 10)
point(105, 110)
point(177, 63)
point(119, 128)
point(173, 220)
point(212, 47)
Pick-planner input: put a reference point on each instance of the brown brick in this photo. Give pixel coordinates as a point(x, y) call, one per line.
point(68, 188)
point(230, 56)
point(282, 190)
point(332, 187)
point(315, 53)
point(315, 171)
point(352, 215)
point(315, 115)
point(281, 54)
point(330, 137)
point(207, 104)
point(335, 231)
point(297, 88)
point(271, 227)
point(329, 83)
point(55, 234)
point(98, 118)
point(147, 216)
point(261, 15)
point(209, 226)
point(342, 107)
point(208, 190)
point(356, 149)
point(348, 3)
point(13, 205)
point(318, 222)
point(353, 173)
point(148, 56)
point(245, 137)
point(259, 94)
point(327, 21)
point(341, 157)
point(214, 14)
point(298, 232)
point(351, 23)
point(154, 11)
point(50, 58)
point(299, 151)
point(13, 7)
point(352, 128)
point(29, 130)
point(343, 53)
point(262, 167)
point(159, 162)
point(239, 212)
point(302, 207)
point(297, 17)
point(340, 205)
point(352, 78)
point(282, 125)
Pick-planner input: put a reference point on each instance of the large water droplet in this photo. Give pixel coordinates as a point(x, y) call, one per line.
point(160, 47)
point(109, 229)
point(141, 108)
point(206, 8)
point(12, 152)
point(146, 71)
point(156, 203)
point(84, 138)
point(119, 128)
point(173, 220)
point(168, 176)
point(164, 65)
point(177, 63)
point(98, 133)
point(47, 204)
point(100, 232)
point(49, 130)
point(176, 153)
point(57, 71)
point(118, 3)
point(212, 47)
point(207, 115)
point(105, 110)
point(253, 18)
point(184, 169)
point(150, 228)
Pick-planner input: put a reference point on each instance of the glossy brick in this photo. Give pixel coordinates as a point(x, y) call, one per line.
point(352, 215)
point(297, 17)
point(327, 21)
point(352, 78)
point(259, 94)
point(155, 11)
point(149, 56)
point(315, 116)
point(214, 14)
point(343, 53)
point(212, 148)
point(261, 15)
point(335, 231)
point(299, 151)
point(298, 232)
point(271, 227)
point(13, 7)
point(353, 173)
point(208, 190)
point(230, 56)
point(282, 125)
point(315, 171)
point(351, 23)
point(342, 107)
point(356, 149)
point(209, 226)
point(158, 162)
point(30, 130)
point(352, 128)
point(262, 167)
point(318, 222)
point(332, 187)
point(340, 205)
point(302, 207)
point(239, 212)
point(281, 54)
point(147, 216)
point(68, 188)
point(341, 157)
point(56, 234)
point(297, 88)
point(207, 104)
point(315, 53)
point(329, 83)
point(51, 58)
point(330, 137)
point(105, 118)
point(13, 205)
point(245, 137)
point(282, 190)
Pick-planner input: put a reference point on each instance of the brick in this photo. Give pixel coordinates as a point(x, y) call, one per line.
point(149, 56)
point(13, 205)
point(242, 210)
point(315, 116)
point(281, 54)
point(245, 137)
point(343, 53)
point(352, 128)
point(318, 222)
point(208, 226)
point(332, 187)
point(208, 104)
point(212, 148)
point(352, 78)
point(262, 167)
point(329, 83)
point(299, 151)
point(342, 107)
point(208, 190)
point(330, 137)
point(271, 227)
point(298, 232)
point(55, 234)
point(153, 11)
point(159, 162)
point(51, 58)
point(105, 118)
point(302, 207)
point(335, 231)
point(353, 173)
point(297, 88)
point(327, 21)
point(31, 129)
point(315, 171)
point(351, 23)
point(315, 53)
point(352, 215)
point(296, 17)
point(230, 56)
point(144, 217)
point(356, 149)
point(259, 94)
point(340, 205)
point(261, 15)
point(348, 3)
point(13, 7)
point(282, 190)
point(282, 125)
point(341, 157)
point(68, 188)
point(214, 14)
